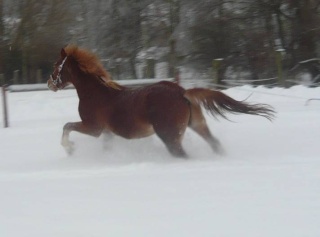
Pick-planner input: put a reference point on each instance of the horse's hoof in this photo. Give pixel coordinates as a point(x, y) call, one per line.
point(219, 150)
point(69, 148)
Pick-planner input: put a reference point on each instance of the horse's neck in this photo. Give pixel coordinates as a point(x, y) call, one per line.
point(90, 87)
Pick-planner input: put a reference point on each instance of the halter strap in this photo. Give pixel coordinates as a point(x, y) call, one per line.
point(58, 79)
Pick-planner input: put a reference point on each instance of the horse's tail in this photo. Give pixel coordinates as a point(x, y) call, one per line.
point(219, 103)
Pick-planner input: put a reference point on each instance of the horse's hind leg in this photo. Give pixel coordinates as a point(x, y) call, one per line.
point(199, 125)
point(171, 135)
point(174, 146)
point(107, 138)
point(171, 126)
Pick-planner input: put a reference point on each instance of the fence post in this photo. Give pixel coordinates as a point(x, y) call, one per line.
point(279, 53)
point(177, 76)
point(4, 101)
point(39, 76)
point(16, 77)
point(150, 68)
point(172, 58)
point(216, 68)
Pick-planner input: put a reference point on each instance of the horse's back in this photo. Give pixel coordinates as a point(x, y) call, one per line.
point(164, 94)
point(166, 103)
point(167, 86)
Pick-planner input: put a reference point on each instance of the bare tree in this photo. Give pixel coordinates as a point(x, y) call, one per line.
point(39, 37)
point(243, 32)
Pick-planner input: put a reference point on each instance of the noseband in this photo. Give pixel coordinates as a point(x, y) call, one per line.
point(58, 80)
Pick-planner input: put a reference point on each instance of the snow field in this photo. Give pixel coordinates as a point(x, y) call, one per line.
point(268, 183)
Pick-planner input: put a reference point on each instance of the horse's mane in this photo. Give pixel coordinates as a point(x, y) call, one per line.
point(89, 63)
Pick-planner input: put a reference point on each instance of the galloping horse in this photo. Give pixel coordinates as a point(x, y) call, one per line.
point(163, 108)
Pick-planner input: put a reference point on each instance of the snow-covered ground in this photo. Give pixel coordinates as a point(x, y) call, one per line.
point(268, 183)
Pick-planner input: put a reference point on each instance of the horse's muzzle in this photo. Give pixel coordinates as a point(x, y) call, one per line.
point(51, 86)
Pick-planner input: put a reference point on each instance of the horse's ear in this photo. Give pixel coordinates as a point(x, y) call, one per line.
point(63, 53)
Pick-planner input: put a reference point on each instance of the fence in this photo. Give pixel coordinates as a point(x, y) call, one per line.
point(210, 83)
point(4, 102)
point(43, 87)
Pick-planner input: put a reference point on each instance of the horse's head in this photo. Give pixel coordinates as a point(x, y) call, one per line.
point(59, 78)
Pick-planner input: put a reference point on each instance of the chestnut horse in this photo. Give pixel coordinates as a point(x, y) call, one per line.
point(163, 108)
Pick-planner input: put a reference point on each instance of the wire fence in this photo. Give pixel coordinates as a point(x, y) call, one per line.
point(186, 83)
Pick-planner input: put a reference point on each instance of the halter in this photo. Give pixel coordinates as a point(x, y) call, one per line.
point(58, 78)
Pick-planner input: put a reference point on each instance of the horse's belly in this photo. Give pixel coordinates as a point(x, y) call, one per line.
point(133, 132)
point(145, 131)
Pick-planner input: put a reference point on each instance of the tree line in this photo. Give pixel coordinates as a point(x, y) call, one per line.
point(130, 35)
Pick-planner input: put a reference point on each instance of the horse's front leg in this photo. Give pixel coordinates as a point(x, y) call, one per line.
point(78, 127)
point(107, 138)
